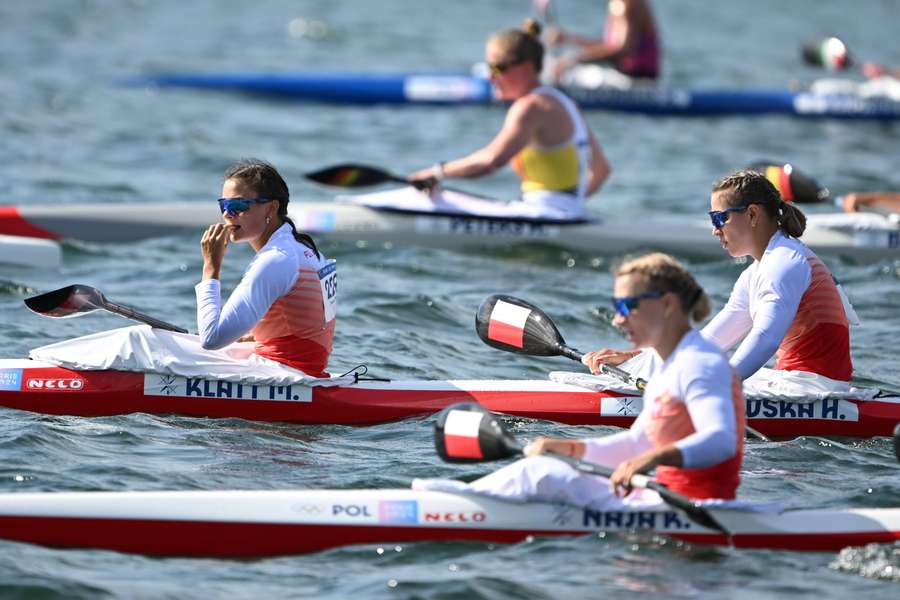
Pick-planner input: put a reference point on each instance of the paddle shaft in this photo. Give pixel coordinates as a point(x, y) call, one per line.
point(639, 383)
point(616, 372)
point(141, 317)
point(690, 507)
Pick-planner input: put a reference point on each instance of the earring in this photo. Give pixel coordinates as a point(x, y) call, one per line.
point(268, 220)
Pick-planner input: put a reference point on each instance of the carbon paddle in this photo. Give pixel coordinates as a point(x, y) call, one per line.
point(78, 299)
point(793, 184)
point(897, 441)
point(352, 175)
point(515, 325)
point(467, 433)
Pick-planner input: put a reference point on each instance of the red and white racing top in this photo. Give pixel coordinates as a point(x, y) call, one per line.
point(786, 304)
point(286, 299)
point(695, 402)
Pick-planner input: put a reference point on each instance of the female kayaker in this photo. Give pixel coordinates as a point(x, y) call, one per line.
point(691, 428)
point(786, 303)
point(630, 42)
point(544, 136)
point(286, 298)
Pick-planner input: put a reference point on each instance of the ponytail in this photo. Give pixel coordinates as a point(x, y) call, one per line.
point(791, 219)
point(752, 187)
point(303, 238)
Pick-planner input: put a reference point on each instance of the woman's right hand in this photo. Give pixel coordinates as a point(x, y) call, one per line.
point(212, 247)
point(609, 356)
point(554, 36)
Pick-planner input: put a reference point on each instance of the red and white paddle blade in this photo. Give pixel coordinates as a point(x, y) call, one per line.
point(514, 325)
point(466, 432)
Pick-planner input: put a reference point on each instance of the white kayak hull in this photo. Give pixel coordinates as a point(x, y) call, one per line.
point(29, 252)
point(350, 223)
point(268, 523)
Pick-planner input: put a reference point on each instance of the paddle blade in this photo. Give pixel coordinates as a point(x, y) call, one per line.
point(351, 176)
point(897, 441)
point(466, 433)
point(793, 184)
point(830, 53)
point(514, 325)
point(70, 301)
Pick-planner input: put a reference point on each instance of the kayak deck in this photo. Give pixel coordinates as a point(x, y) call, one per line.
point(47, 389)
point(268, 523)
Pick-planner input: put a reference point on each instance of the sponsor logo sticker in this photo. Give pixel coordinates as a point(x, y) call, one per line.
point(398, 511)
point(11, 379)
point(55, 384)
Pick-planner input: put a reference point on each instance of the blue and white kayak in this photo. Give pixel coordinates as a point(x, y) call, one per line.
point(462, 89)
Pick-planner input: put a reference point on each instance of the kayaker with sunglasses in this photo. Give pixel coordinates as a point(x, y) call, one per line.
point(691, 427)
point(786, 303)
point(287, 296)
point(544, 136)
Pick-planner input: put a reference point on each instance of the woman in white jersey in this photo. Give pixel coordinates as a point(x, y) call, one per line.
point(691, 428)
point(544, 136)
point(786, 303)
point(286, 299)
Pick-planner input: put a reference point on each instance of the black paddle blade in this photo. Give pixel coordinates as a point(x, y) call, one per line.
point(514, 325)
point(351, 176)
point(70, 301)
point(830, 53)
point(793, 184)
point(897, 441)
point(467, 433)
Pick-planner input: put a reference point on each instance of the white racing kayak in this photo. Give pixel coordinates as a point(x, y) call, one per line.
point(29, 252)
point(268, 523)
point(859, 237)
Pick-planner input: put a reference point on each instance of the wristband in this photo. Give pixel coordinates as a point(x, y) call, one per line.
point(437, 171)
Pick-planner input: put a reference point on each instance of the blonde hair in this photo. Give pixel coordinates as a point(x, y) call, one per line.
point(665, 274)
point(522, 45)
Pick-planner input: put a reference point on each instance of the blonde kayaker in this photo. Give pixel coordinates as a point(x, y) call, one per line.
point(544, 136)
point(286, 299)
point(786, 303)
point(691, 428)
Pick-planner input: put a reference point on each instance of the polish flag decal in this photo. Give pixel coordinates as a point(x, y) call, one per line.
point(507, 324)
point(461, 434)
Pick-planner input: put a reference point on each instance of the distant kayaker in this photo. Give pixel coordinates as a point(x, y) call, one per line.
point(691, 428)
point(630, 42)
point(544, 136)
point(786, 303)
point(286, 299)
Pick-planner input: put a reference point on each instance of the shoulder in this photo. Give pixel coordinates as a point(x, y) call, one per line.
point(701, 359)
point(785, 259)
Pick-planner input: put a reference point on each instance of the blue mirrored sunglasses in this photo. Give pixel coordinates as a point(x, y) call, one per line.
point(720, 217)
point(624, 306)
point(235, 206)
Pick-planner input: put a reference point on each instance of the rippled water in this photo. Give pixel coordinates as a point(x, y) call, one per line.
point(69, 136)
